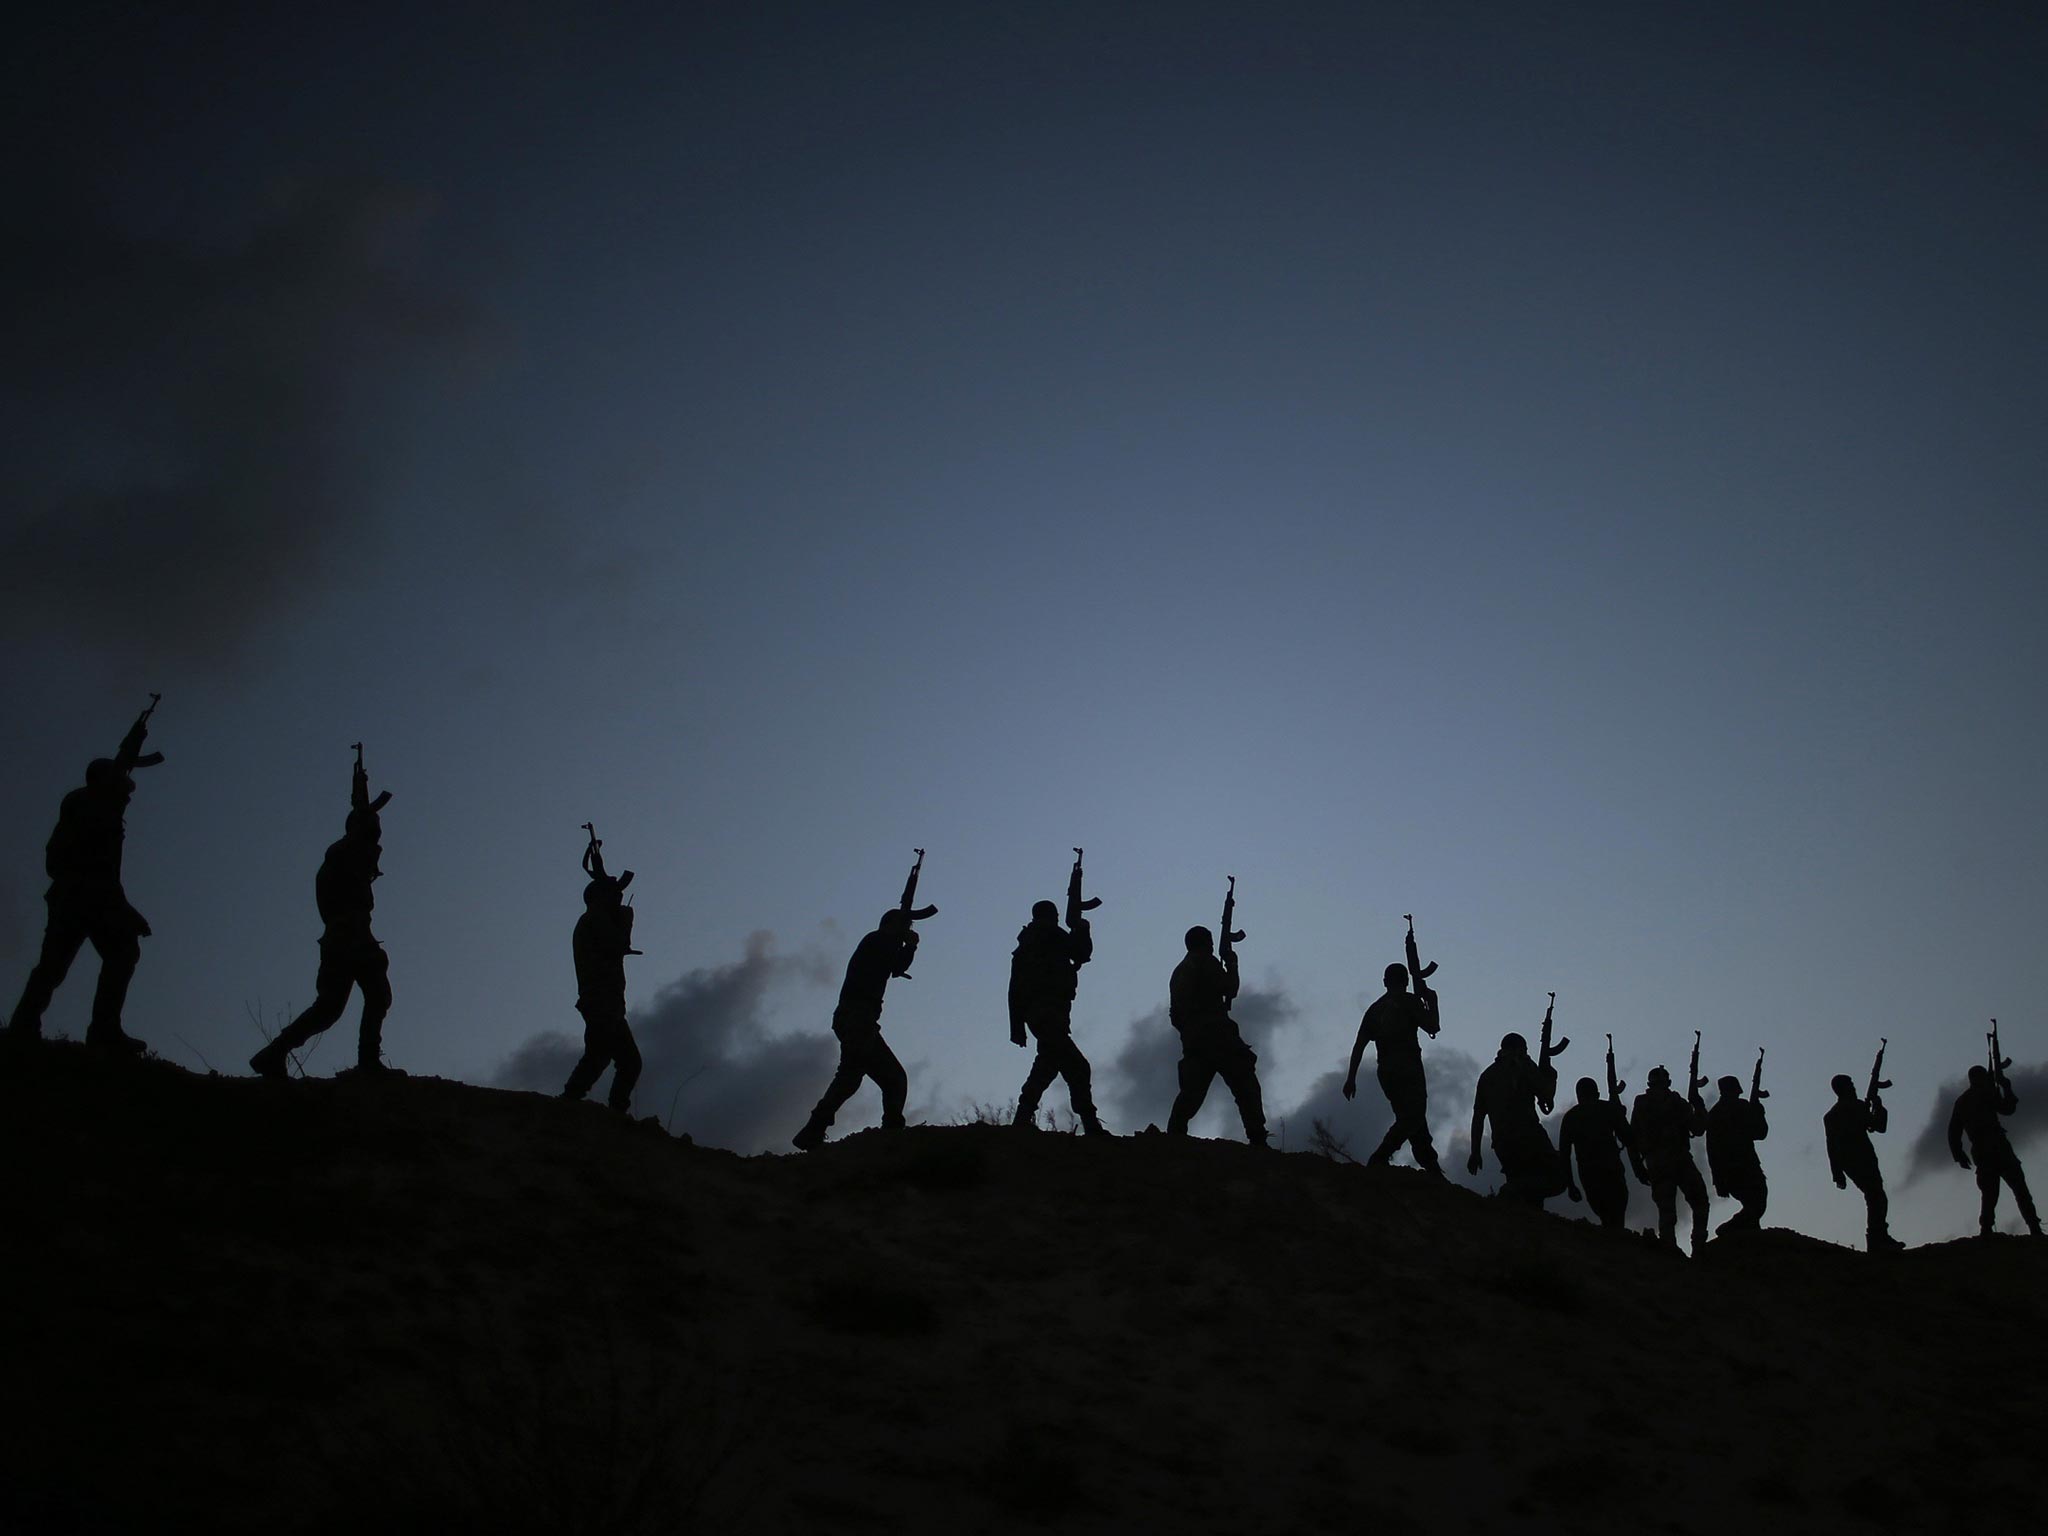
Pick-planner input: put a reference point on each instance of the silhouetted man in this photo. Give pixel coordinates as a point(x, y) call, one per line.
point(602, 939)
point(1394, 1023)
point(1977, 1111)
point(857, 1021)
point(1597, 1131)
point(350, 956)
point(1507, 1095)
point(1734, 1126)
point(1664, 1125)
point(1198, 1005)
point(1044, 976)
point(86, 900)
point(1849, 1123)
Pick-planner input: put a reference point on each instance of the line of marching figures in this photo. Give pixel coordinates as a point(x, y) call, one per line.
point(1599, 1146)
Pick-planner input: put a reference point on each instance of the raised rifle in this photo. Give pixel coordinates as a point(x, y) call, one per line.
point(1877, 1079)
point(1614, 1084)
point(131, 755)
point(912, 913)
point(1548, 1050)
point(1417, 971)
point(1227, 941)
point(593, 866)
point(1075, 905)
point(1999, 1061)
point(1757, 1091)
point(359, 787)
point(1692, 1093)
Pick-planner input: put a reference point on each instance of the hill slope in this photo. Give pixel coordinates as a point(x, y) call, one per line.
point(321, 1304)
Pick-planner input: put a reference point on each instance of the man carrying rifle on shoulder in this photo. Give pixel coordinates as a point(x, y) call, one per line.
point(1394, 1023)
point(1199, 996)
point(1044, 977)
point(86, 900)
point(602, 939)
point(350, 955)
point(857, 1021)
point(1978, 1109)
point(1849, 1123)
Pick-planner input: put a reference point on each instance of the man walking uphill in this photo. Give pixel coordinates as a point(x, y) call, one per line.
point(350, 955)
point(1198, 1004)
point(1394, 1023)
point(86, 901)
point(1044, 976)
point(602, 939)
point(857, 1021)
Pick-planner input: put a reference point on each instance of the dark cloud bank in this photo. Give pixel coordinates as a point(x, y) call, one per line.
point(194, 425)
point(708, 1054)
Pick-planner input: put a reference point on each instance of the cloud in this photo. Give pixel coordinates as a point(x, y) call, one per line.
point(1139, 1088)
point(1360, 1123)
point(195, 426)
point(2029, 1123)
point(707, 1053)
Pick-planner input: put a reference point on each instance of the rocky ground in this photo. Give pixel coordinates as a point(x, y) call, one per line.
point(323, 1305)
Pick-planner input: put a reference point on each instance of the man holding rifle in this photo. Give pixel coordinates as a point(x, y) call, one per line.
point(350, 955)
point(1044, 977)
point(1664, 1125)
point(1849, 1124)
point(1394, 1023)
point(1977, 1111)
point(857, 1021)
point(1597, 1131)
point(86, 900)
point(1199, 998)
point(602, 939)
point(1734, 1126)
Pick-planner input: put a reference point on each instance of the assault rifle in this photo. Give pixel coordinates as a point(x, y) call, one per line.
point(593, 866)
point(1546, 1103)
point(359, 787)
point(131, 756)
point(1999, 1061)
point(1614, 1084)
point(1417, 971)
point(1877, 1079)
point(1757, 1092)
point(1692, 1093)
point(1075, 905)
point(912, 913)
point(1227, 939)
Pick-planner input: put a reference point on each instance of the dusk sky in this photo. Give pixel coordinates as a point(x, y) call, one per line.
point(1573, 473)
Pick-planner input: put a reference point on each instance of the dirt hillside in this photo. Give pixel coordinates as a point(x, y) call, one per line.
point(325, 1305)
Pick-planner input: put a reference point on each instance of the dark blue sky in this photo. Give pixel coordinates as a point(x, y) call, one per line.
point(1576, 477)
